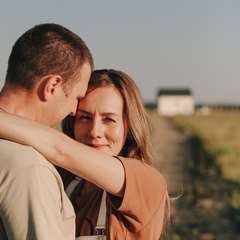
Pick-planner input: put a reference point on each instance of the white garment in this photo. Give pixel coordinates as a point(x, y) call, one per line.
point(101, 222)
point(72, 185)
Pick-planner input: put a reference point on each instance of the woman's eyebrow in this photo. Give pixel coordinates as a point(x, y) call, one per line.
point(83, 111)
point(103, 114)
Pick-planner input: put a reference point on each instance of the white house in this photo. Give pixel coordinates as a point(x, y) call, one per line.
point(175, 101)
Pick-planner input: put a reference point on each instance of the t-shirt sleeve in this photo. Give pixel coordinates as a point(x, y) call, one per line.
point(145, 193)
point(33, 206)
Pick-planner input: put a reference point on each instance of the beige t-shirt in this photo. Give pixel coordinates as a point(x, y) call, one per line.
point(33, 204)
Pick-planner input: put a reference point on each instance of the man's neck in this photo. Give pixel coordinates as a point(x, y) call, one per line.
point(17, 102)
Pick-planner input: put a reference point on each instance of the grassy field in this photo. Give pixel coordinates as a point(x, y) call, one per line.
point(218, 137)
point(220, 133)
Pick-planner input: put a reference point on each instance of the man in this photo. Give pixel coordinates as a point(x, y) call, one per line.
point(48, 72)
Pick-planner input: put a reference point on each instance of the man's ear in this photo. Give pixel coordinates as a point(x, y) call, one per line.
point(51, 86)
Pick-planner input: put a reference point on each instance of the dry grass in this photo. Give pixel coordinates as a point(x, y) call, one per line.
point(221, 134)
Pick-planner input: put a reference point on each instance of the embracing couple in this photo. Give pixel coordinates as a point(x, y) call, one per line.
point(93, 180)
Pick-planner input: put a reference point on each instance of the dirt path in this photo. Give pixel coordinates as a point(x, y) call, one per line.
point(206, 220)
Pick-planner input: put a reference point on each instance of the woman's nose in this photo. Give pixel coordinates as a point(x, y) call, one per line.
point(96, 130)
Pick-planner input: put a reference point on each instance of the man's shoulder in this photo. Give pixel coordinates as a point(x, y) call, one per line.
point(18, 160)
point(18, 155)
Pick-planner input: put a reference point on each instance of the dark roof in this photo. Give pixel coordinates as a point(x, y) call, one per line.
point(174, 91)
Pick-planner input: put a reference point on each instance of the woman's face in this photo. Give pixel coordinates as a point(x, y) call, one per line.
point(99, 121)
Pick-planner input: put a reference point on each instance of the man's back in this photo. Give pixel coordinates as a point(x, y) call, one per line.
point(26, 179)
point(48, 72)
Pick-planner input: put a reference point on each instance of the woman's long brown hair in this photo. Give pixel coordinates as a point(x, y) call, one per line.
point(138, 144)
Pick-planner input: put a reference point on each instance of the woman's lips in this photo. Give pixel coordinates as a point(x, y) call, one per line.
point(97, 146)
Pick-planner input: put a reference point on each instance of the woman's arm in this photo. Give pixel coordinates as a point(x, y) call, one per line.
point(105, 171)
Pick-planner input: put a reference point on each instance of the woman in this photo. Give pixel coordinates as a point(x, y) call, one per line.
point(115, 156)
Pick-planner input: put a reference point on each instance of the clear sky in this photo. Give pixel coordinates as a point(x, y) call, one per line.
point(161, 43)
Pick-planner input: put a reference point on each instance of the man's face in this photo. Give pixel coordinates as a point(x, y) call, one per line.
point(67, 103)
